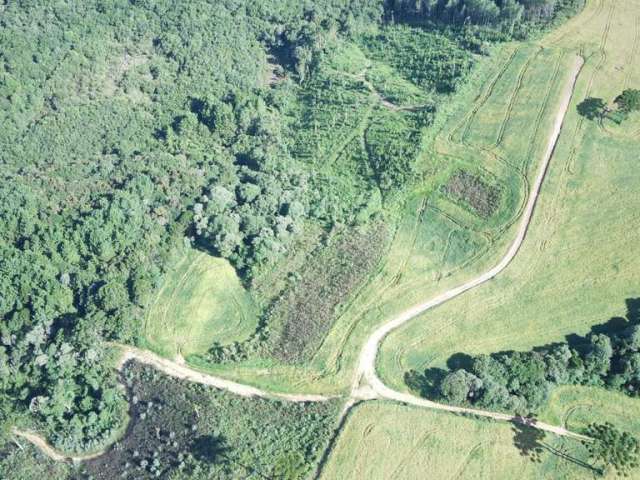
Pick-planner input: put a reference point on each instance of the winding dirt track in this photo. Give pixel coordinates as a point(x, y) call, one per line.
point(178, 369)
point(366, 384)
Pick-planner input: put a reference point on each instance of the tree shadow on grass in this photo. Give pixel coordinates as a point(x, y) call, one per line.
point(592, 108)
point(460, 360)
point(427, 384)
point(530, 442)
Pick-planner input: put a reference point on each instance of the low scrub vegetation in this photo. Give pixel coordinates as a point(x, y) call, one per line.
point(182, 430)
point(482, 197)
point(307, 310)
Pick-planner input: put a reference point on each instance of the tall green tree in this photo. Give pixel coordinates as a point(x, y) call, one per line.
point(612, 449)
point(629, 100)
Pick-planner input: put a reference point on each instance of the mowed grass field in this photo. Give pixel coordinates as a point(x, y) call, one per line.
point(383, 440)
point(581, 258)
point(201, 302)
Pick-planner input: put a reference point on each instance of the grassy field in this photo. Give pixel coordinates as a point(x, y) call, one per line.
point(580, 260)
point(201, 302)
point(386, 440)
point(382, 440)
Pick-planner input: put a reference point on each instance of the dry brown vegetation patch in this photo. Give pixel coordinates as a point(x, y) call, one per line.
point(482, 197)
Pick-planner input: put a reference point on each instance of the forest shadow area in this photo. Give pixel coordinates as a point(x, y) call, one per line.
point(531, 443)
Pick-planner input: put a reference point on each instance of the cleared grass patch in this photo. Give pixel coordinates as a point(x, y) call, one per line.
point(580, 260)
point(574, 407)
point(383, 440)
point(201, 302)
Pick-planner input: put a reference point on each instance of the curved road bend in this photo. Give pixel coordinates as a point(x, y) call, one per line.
point(367, 384)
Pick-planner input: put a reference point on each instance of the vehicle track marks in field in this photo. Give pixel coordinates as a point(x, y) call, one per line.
point(366, 373)
point(513, 97)
point(632, 54)
point(480, 101)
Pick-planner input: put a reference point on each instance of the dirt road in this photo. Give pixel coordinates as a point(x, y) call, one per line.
point(49, 451)
point(178, 369)
point(366, 379)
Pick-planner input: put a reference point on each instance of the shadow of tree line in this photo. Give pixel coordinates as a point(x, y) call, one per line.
point(530, 442)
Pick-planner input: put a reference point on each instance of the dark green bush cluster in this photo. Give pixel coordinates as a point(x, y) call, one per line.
point(184, 430)
point(521, 381)
point(515, 18)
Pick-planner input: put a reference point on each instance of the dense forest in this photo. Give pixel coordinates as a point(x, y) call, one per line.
point(608, 357)
point(133, 126)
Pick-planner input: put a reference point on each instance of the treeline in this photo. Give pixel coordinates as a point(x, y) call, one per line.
point(521, 381)
point(514, 18)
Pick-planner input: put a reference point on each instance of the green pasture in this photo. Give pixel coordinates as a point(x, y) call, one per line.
point(579, 262)
point(201, 302)
point(386, 440)
point(381, 440)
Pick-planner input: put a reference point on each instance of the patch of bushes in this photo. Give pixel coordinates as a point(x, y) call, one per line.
point(23, 461)
point(608, 357)
point(307, 310)
point(427, 58)
point(185, 430)
point(482, 197)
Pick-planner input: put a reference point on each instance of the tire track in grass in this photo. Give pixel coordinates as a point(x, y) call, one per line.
point(480, 101)
point(402, 464)
point(179, 286)
point(564, 421)
point(632, 54)
point(541, 111)
point(580, 22)
point(569, 167)
point(157, 298)
point(467, 460)
point(514, 96)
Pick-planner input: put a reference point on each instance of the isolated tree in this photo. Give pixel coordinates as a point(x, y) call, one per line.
point(629, 100)
point(611, 448)
point(592, 108)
